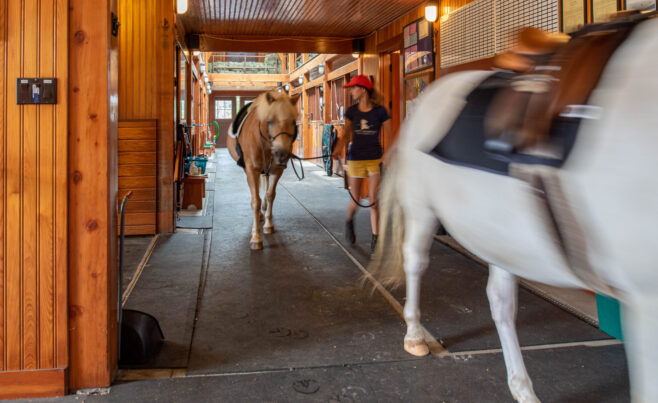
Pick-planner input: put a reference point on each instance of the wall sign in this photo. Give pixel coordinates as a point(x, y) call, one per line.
point(642, 5)
point(418, 46)
point(602, 10)
point(573, 15)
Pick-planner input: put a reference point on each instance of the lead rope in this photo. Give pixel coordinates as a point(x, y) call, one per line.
point(301, 165)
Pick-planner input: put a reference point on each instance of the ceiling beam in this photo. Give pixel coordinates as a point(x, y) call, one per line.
point(232, 43)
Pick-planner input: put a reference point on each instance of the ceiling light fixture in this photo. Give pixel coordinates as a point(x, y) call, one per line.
point(431, 10)
point(355, 55)
point(181, 6)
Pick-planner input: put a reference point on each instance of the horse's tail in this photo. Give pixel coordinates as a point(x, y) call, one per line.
point(387, 264)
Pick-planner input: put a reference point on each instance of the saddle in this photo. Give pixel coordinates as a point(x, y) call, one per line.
point(530, 111)
point(236, 127)
point(552, 76)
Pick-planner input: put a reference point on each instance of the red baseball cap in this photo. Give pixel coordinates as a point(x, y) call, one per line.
point(361, 81)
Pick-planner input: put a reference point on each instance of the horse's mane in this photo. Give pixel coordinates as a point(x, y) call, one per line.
point(281, 107)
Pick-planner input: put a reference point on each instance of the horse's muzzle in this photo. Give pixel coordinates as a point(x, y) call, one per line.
point(280, 158)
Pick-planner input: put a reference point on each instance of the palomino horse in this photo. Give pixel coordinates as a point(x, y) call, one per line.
point(590, 223)
point(262, 146)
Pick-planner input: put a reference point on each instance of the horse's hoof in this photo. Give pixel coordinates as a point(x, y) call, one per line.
point(268, 230)
point(256, 245)
point(416, 347)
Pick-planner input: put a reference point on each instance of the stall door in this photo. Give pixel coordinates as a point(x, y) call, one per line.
point(224, 114)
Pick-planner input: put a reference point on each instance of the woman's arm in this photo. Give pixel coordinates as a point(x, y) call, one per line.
point(343, 140)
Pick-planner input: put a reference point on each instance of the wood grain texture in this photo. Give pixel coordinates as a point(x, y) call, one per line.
point(137, 151)
point(147, 67)
point(33, 383)
point(331, 18)
point(33, 194)
point(93, 115)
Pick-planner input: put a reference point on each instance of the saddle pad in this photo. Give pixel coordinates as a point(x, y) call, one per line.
point(236, 126)
point(464, 143)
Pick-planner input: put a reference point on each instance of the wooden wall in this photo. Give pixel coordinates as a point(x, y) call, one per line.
point(146, 91)
point(137, 173)
point(33, 202)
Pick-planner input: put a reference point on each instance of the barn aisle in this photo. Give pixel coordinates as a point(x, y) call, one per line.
point(294, 322)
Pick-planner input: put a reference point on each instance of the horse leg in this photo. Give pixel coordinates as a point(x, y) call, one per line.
point(268, 228)
point(265, 184)
point(640, 332)
point(253, 178)
point(418, 239)
point(502, 293)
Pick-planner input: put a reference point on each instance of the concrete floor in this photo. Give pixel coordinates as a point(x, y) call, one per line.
point(293, 322)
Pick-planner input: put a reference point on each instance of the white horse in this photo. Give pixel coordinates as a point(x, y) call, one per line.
point(608, 185)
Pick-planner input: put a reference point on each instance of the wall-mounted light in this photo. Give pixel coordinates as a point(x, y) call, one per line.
point(355, 55)
point(181, 6)
point(431, 10)
point(300, 80)
point(321, 69)
point(287, 87)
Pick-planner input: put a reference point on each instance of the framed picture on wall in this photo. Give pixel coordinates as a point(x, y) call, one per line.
point(574, 15)
point(642, 5)
point(603, 10)
point(418, 46)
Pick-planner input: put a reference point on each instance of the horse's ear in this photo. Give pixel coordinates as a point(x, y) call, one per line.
point(294, 99)
point(270, 98)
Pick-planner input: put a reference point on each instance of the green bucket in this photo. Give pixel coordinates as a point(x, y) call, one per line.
point(609, 316)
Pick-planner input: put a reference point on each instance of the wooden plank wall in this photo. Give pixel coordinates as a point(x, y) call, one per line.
point(137, 173)
point(33, 202)
point(146, 90)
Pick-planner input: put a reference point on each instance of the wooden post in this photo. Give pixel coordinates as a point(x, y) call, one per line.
point(307, 133)
point(164, 96)
point(93, 117)
point(326, 89)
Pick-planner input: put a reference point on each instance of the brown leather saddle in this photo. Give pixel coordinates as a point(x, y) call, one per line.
point(553, 75)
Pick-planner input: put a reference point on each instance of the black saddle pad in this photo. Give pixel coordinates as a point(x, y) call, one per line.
point(242, 113)
point(464, 144)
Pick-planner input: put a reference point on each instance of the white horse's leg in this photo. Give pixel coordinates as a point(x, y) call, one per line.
point(253, 178)
point(502, 293)
point(268, 228)
point(419, 229)
point(641, 336)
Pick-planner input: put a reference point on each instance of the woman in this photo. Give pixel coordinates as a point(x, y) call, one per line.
point(363, 123)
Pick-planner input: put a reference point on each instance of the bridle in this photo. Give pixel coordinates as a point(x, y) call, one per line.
point(271, 139)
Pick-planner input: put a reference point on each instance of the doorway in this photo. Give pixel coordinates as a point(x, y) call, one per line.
point(224, 114)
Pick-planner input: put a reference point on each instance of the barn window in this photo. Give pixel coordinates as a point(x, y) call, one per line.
point(223, 109)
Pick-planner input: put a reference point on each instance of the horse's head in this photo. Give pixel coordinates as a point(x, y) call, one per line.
point(277, 115)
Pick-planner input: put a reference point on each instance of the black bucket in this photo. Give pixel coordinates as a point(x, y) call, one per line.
point(140, 335)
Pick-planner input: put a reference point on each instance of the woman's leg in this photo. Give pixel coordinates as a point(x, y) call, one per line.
point(355, 190)
point(374, 210)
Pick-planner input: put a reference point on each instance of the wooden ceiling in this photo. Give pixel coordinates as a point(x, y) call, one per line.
point(293, 18)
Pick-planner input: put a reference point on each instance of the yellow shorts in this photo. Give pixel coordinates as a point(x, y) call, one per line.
point(363, 168)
